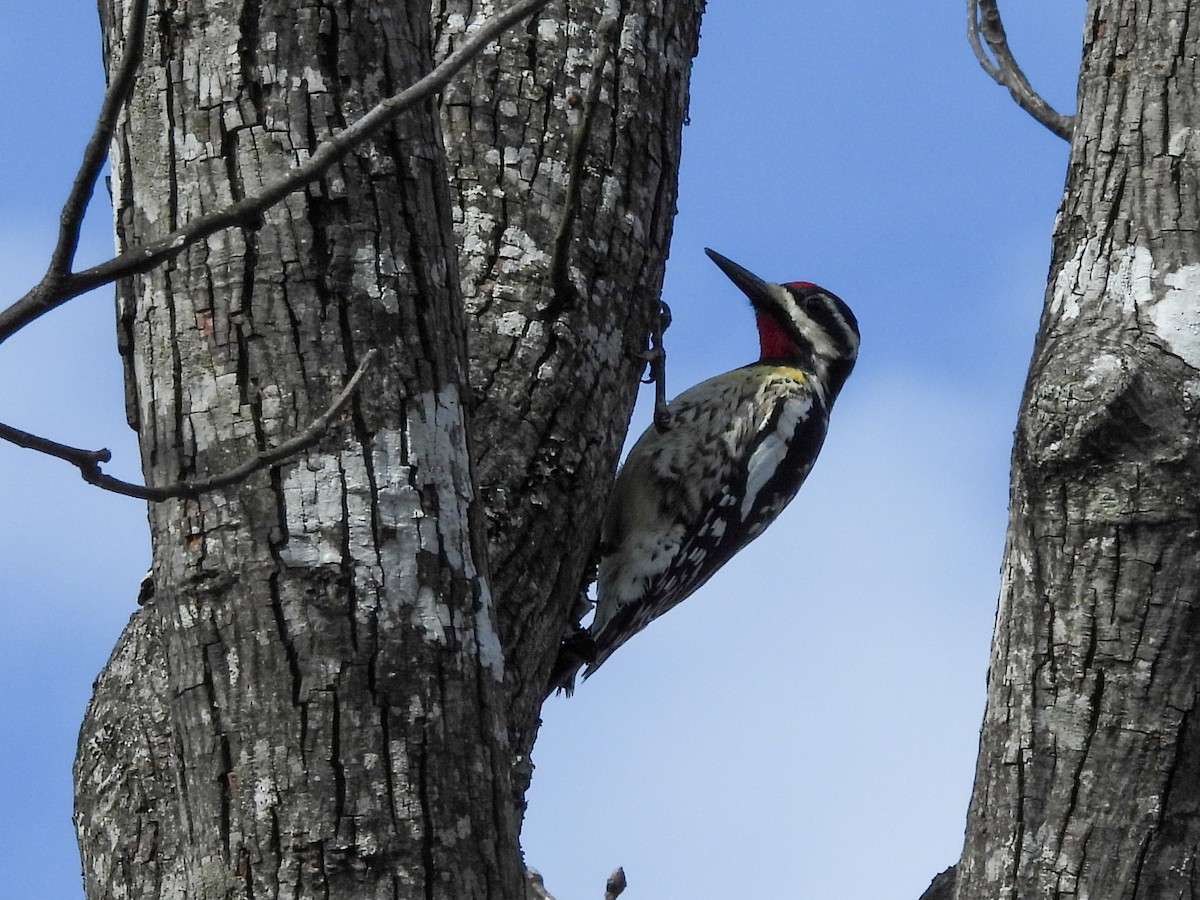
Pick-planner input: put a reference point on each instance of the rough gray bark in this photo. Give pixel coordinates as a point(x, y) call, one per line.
point(555, 367)
point(1087, 783)
point(335, 689)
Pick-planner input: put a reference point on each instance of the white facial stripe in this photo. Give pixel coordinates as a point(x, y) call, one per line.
point(850, 334)
point(815, 335)
point(812, 333)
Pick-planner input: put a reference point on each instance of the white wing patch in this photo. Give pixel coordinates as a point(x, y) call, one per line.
point(771, 451)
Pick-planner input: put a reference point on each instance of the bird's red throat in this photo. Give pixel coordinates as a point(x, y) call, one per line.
point(772, 340)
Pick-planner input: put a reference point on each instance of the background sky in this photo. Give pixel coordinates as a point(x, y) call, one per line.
point(806, 725)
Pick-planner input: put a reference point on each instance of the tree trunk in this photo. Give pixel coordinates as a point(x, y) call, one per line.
point(555, 368)
point(1088, 782)
point(335, 689)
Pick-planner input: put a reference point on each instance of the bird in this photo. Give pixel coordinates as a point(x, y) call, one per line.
point(737, 449)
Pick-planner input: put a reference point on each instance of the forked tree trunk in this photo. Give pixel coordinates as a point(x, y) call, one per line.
point(335, 689)
point(1088, 783)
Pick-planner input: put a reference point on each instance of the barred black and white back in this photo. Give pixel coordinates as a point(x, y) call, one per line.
point(729, 483)
point(738, 449)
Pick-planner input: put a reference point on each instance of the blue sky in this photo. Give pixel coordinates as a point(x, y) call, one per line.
point(805, 726)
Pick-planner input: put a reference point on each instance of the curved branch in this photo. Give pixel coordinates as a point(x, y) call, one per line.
point(983, 18)
point(71, 219)
point(57, 288)
point(616, 884)
point(88, 461)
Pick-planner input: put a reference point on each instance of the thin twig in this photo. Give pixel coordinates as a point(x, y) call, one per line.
point(71, 219)
point(52, 293)
point(84, 459)
point(616, 885)
point(560, 282)
point(983, 18)
point(88, 461)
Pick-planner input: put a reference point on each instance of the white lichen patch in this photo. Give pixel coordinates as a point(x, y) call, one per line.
point(1176, 317)
point(147, 201)
point(609, 346)
point(313, 79)
point(365, 278)
point(312, 494)
point(1090, 279)
point(1132, 282)
point(438, 452)
point(610, 194)
point(1184, 142)
point(264, 798)
point(475, 230)
point(516, 243)
point(214, 411)
point(437, 441)
point(381, 516)
point(433, 616)
point(1104, 369)
point(491, 656)
point(193, 148)
point(1064, 299)
point(512, 323)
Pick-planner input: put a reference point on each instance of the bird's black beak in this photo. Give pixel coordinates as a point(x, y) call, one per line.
point(752, 286)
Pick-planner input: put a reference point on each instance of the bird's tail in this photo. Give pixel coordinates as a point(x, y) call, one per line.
point(577, 650)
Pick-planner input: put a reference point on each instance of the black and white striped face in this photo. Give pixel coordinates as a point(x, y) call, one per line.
point(815, 318)
point(809, 322)
point(818, 322)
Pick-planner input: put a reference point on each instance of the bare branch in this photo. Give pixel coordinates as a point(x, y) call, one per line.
point(983, 18)
point(52, 292)
point(84, 459)
point(616, 885)
point(96, 151)
point(88, 461)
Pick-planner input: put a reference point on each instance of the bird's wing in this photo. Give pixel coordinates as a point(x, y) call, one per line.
point(750, 477)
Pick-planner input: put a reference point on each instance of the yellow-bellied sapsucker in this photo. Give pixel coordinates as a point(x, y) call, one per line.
point(738, 448)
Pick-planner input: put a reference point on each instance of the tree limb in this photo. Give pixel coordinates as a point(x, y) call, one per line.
point(88, 461)
point(983, 18)
point(57, 288)
point(615, 885)
point(96, 152)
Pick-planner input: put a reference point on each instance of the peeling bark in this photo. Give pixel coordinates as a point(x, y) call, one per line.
point(335, 689)
point(1087, 778)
